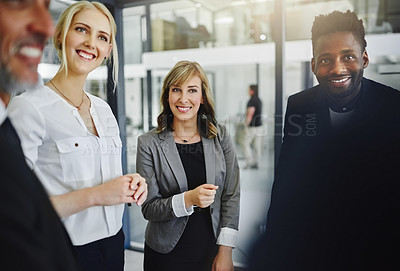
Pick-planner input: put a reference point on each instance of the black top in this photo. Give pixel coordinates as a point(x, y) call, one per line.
point(198, 235)
point(255, 102)
point(192, 158)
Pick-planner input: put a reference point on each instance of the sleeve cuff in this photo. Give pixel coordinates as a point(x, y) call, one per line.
point(227, 237)
point(178, 206)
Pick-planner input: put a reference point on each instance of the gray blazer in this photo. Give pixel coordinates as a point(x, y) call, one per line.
point(158, 161)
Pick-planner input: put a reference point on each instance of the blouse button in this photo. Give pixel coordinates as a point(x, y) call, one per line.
point(76, 144)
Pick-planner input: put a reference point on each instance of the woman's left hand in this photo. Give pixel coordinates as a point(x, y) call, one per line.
point(139, 185)
point(223, 260)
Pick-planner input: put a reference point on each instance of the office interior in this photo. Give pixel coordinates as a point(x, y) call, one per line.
point(238, 43)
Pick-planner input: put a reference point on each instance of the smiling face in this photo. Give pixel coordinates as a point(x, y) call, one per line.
point(88, 41)
point(25, 27)
point(185, 100)
point(338, 64)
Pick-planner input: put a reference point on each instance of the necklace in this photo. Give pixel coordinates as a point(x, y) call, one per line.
point(185, 140)
point(66, 98)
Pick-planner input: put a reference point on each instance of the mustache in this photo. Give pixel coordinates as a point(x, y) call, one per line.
point(36, 39)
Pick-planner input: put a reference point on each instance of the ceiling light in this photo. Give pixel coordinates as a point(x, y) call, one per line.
point(238, 3)
point(224, 20)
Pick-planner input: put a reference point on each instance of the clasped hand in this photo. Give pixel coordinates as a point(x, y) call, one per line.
point(129, 188)
point(202, 196)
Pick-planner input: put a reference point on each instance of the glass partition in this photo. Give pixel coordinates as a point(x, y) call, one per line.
point(198, 24)
point(134, 34)
point(379, 17)
point(180, 25)
point(244, 22)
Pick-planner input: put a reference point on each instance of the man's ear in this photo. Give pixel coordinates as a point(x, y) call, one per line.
point(312, 65)
point(365, 59)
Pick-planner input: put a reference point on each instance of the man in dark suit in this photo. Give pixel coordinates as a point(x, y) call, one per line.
point(335, 198)
point(32, 236)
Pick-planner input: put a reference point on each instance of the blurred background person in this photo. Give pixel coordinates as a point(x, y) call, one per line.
point(192, 171)
point(252, 137)
point(71, 140)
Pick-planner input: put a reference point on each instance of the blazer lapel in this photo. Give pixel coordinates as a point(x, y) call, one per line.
point(209, 159)
point(171, 154)
point(368, 100)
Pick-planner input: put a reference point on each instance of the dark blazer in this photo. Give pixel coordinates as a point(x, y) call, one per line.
point(158, 161)
point(32, 236)
point(336, 193)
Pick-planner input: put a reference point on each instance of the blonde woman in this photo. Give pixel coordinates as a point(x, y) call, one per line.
point(191, 168)
point(71, 140)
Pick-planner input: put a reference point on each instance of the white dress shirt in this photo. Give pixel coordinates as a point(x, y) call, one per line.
point(67, 157)
point(3, 113)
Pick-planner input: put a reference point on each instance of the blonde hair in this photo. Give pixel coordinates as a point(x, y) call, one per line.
point(64, 24)
point(178, 75)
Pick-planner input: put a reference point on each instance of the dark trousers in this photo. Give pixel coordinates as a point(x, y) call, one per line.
point(105, 254)
point(155, 261)
point(195, 250)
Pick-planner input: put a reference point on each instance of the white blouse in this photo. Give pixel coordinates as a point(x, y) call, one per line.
point(67, 157)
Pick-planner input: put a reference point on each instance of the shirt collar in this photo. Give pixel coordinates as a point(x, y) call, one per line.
point(3, 113)
point(350, 106)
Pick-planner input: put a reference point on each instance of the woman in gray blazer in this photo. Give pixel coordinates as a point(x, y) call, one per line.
point(191, 168)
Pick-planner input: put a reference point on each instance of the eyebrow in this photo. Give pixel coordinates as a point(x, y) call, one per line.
point(88, 26)
point(347, 51)
point(323, 55)
point(194, 86)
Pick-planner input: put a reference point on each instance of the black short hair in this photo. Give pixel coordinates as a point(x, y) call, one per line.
point(255, 89)
point(338, 22)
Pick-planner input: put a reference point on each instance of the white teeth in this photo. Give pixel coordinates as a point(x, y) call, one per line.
point(85, 55)
point(184, 109)
point(339, 81)
point(30, 51)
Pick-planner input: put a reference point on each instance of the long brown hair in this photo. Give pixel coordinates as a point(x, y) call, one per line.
point(178, 75)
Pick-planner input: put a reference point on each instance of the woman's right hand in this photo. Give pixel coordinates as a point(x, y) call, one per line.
point(202, 196)
point(130, 188)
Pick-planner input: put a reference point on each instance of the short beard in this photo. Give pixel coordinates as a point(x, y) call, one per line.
point(343, 94)
point(11, 85)
point(353, 88)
